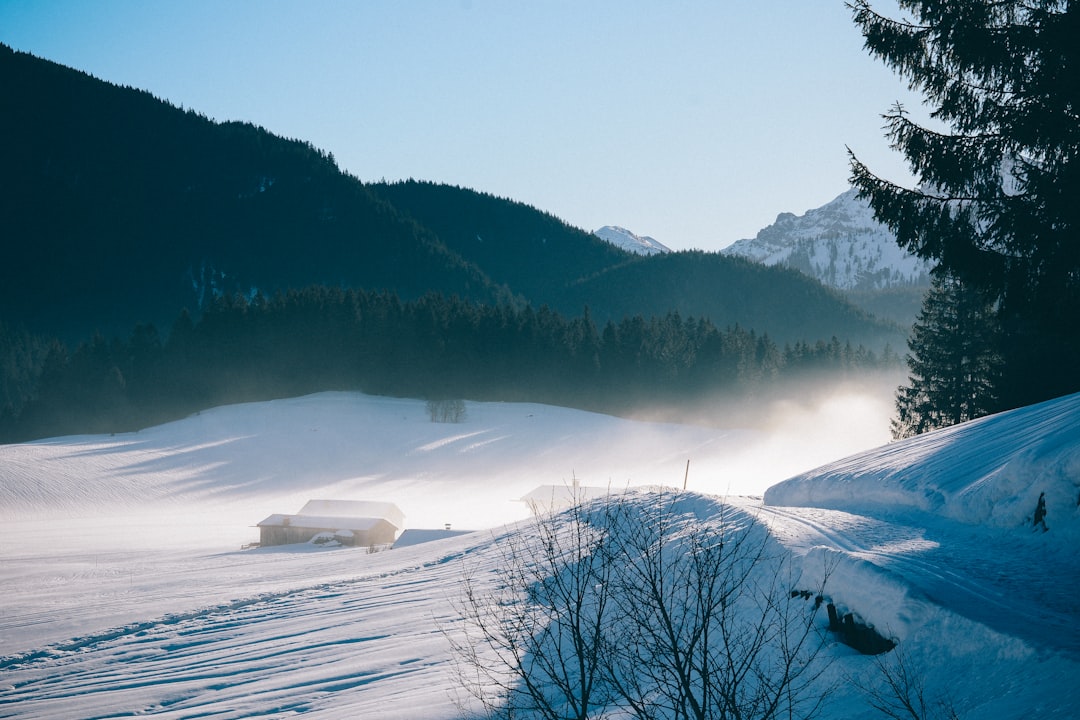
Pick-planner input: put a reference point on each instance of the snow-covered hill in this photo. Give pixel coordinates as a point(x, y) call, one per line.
point(840, 244)
point(638, 244)
point(126, 591)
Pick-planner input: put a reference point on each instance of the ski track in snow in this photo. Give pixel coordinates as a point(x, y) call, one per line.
point(295, 650)
point(974, 572)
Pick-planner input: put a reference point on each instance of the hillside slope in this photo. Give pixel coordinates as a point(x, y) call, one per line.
point(532, 252)
point(120, 208)
point(730, 291)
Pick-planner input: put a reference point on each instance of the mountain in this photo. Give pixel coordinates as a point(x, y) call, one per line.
point(547, 262)
point(840, 244)
point(120, 208)
point(843, 246)
point(628, 241)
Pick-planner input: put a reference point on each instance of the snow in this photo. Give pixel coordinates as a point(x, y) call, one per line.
point(127, 591)
point(637, 244)
point(840, 243)
point(988, 472)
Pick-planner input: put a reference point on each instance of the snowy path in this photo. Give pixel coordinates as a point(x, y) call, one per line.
point(308, 648)
point(996, 577)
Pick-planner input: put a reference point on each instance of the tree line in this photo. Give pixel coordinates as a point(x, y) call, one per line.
point(320, 338)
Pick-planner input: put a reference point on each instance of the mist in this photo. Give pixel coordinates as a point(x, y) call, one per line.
point(250, 460)
point(792, 427)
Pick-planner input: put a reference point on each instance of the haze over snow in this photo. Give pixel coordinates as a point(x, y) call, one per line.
point(126, 591)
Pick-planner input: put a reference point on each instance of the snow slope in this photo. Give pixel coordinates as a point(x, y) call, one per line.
point(638, 244)
point(956, 506)
point(126, 591)
point(839, 243)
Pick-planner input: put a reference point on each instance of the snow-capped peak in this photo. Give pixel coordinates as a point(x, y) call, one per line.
point(623, 238)
point(840, 243)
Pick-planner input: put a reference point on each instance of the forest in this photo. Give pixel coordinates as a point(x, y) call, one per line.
point(436, 347)
point(121, 209)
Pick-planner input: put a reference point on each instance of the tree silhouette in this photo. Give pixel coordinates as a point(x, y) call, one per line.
point(996, 204)
point(953, 362)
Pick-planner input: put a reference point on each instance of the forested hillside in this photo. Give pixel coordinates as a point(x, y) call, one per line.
point(130, 225)
point(516, 245)
point(119, 208)
point(553, 264)
point(786, 304)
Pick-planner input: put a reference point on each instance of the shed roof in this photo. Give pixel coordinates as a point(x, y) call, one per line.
point(553, 498)
point(414, 536)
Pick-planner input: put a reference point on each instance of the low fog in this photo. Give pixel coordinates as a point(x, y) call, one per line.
point(244, 462)
point(791, 427)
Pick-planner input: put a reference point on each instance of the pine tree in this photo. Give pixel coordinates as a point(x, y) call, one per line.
point(996, 205)
point(953, 361)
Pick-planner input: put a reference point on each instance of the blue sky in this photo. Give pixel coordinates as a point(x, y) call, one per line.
point(693, 122)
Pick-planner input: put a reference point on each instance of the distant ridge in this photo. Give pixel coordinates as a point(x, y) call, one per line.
point(839, 244)
point(630, 242)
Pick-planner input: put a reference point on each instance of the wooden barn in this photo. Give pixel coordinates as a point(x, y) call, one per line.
point(358, 523)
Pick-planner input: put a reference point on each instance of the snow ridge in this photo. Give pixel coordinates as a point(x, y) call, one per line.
point(987, 472)
point(637, 244)
point(840, 244)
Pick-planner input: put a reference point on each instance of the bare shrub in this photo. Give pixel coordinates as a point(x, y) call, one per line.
point(633, 604)
point(900, 692)
point(709, 626)
point(535, 645)
point(445, 410)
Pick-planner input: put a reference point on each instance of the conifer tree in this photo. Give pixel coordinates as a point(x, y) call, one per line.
point(999, 174)
point(953, 360)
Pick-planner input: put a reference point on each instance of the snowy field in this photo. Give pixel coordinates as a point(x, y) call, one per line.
point(126, 591)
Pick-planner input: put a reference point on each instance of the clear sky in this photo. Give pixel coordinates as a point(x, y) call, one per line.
point(693, 122)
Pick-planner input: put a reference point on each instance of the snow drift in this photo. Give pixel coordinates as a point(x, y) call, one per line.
point(986, 472)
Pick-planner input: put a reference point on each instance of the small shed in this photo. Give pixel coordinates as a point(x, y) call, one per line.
point(352, 522)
